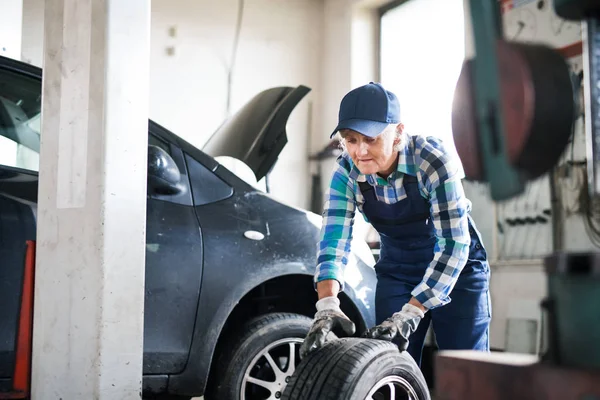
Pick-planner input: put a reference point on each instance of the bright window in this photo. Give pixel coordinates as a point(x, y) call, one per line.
point(422, 50)
point(20, 108)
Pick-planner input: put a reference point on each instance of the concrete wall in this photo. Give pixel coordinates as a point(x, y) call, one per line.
point(517, 289)
point(328, 45)
point(280, 43)
point(32, 39)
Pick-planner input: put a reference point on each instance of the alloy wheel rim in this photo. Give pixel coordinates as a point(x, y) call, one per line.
point(392, 388)
point(270, 370)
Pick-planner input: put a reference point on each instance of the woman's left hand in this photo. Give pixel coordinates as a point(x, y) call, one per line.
point(400, 325)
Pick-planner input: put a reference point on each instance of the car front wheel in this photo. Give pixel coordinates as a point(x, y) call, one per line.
point(258, 363)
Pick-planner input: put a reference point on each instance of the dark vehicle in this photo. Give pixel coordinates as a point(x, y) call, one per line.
point(234, 263)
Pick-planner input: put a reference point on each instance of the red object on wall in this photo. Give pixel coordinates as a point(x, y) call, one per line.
point(22, 373)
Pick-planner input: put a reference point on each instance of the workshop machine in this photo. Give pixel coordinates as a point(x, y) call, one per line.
point(514, 110)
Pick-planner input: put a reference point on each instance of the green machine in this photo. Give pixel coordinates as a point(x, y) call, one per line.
point(513, 116)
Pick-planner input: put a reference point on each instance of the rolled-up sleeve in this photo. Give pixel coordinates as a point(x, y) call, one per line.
point(336, 233)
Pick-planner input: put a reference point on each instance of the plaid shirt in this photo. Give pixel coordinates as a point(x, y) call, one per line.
point(439, 182)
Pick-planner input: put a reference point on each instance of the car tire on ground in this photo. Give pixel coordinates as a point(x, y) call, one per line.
point(258, 363)
point(357, 369)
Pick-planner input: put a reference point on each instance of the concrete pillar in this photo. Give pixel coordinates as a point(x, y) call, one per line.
point(89, 287)
point(336, 75)
point(11, 12)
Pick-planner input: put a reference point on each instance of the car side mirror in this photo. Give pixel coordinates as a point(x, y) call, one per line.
point(164, 176)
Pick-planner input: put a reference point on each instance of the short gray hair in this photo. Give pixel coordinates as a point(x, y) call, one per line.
point(342, 142)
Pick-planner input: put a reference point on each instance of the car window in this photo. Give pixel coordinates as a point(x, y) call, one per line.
point(206, 186)
point(20, 117)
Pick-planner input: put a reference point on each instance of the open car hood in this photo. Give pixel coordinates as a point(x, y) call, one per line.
point(256, 134)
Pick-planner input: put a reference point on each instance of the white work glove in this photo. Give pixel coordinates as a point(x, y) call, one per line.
point(328, 317)
point(400, 326)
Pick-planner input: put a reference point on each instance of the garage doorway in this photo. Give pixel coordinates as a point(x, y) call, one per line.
point(422, 48)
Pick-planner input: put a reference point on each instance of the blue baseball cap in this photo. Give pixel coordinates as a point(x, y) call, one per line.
point(368, 110)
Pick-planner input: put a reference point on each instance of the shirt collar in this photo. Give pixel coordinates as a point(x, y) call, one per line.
point(406, 159)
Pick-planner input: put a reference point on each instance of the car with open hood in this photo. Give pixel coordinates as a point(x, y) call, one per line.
point(228, 286)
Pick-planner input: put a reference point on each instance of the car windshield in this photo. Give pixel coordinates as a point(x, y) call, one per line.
point(20, 120)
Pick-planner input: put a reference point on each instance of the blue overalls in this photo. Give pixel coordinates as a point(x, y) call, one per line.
point(407, 248)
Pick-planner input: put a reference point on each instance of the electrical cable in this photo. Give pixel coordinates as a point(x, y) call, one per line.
point(512, 222)
point(520, 220)
point(534, 224)
point(525, 229)
point(573, 205)
point(592, 232)
point(503, 229)
point(591, 211)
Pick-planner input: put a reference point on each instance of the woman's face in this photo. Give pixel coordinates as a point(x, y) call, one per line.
point(376, 155)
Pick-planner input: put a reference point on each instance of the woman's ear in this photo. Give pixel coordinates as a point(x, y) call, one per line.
point(400, 128)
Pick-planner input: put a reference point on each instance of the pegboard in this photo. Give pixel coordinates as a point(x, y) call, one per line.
point(534, 21)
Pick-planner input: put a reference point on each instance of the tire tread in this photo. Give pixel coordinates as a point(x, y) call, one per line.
point(330, 373)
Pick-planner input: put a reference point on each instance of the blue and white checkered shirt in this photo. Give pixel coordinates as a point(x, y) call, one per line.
point(439, 182)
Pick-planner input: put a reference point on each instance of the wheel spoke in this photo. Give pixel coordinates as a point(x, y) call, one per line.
point(395, 385)
point(276, 355)
point(278, 372)
point(392, 391)
point(270, 386)
point(291, 360)
point(376, 396)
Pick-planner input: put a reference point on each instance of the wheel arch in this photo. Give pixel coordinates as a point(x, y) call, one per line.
point(279, 295)
point(218, 309)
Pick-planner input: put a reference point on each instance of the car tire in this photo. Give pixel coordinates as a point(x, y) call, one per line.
point(357, 369)
point(255, 364)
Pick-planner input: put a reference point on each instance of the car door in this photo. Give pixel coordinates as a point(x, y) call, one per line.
point(173, 272)
point(20, 107)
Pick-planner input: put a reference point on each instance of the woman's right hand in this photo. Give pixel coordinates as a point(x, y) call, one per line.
point(329, 316)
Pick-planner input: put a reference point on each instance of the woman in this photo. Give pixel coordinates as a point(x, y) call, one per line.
point(432, 267)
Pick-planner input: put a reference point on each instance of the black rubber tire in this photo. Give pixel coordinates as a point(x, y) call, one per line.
point(348, 368)
point(241, 349)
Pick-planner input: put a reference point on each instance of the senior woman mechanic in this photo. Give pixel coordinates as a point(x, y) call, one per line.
point(432, 267)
